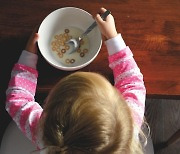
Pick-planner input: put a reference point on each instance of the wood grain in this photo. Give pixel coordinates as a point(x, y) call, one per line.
point(150, 28)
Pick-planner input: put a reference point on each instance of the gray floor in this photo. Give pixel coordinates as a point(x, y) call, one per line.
point(163, 116)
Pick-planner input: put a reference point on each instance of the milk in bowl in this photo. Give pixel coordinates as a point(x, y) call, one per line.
point(62, 50)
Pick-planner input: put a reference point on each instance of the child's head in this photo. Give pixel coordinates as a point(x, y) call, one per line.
point(84, 113)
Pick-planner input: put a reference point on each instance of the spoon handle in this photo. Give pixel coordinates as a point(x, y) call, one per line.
point(103, 16)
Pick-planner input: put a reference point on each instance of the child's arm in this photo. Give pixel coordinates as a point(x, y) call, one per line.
point(129, 81)
point(127, 76)
point(20, 102)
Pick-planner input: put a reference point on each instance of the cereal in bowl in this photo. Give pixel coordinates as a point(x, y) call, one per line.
point(61, 49)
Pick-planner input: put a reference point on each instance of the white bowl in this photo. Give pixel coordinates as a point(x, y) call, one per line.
point(59, 20)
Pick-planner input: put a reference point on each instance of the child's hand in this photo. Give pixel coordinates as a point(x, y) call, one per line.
point(107, 27)
point(31, 45)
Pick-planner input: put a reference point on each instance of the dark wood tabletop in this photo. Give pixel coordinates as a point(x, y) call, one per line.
point(150, 28)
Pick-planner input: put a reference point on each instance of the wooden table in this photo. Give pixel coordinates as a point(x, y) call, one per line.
point(150, 28)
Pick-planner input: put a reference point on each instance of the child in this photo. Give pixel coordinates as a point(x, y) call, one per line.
point(83, 113)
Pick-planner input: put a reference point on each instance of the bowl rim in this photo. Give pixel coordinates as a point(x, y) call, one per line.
point(68, 68)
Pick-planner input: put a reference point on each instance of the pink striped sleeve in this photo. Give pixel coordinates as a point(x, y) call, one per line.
point(20, 102)
point(129, 81)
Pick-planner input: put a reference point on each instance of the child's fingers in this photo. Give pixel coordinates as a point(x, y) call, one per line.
point(33, 39)
point(109, 18)
point(36, 37)
point(31, 45)
point(99, 19)
point(35, 32)
point(103, 10)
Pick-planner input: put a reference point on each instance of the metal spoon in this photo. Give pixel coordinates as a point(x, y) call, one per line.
point(76, 41)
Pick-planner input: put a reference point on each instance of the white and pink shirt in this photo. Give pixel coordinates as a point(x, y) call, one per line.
point(21, 104)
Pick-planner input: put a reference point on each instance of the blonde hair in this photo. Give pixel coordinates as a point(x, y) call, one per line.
point(84, 113)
